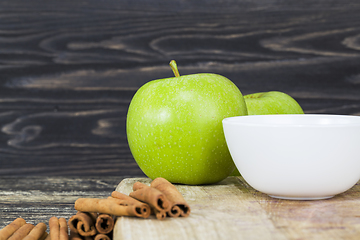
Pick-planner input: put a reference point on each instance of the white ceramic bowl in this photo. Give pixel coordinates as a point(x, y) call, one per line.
point(303, 157)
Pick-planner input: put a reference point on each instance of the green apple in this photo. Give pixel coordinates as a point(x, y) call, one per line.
point(273, 102)
point(174, 127)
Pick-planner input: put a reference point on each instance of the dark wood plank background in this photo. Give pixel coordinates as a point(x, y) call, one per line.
point(68, 69)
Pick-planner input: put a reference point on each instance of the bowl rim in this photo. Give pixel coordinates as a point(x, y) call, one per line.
point(312, 120)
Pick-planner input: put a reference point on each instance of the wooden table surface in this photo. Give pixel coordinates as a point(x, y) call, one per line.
point(230, 209)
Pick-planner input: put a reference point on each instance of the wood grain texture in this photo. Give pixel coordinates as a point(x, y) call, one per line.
point(68, 69)
point(37, 199)
point(232, 209)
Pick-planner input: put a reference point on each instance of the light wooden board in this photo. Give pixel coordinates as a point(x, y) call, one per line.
point(231, 209)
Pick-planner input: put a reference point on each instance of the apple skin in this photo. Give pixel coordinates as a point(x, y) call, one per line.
point(273, 102)
point(265, 103)
point(174, 127)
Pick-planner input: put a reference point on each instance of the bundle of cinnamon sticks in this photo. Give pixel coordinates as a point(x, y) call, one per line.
point(91, 225)
point(20, 230)
point(161, 199)
point(94, 219)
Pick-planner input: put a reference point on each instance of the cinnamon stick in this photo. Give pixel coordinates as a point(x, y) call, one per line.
point(63, 229)
point(138, 186)
point(37, 232)
point(104, 224)
point(151, 196)
point(44, 236)
point(102, 237)
point(58, 229)
point(9, 230)
point(22, 232)
point(54, 227)
point(175, 211)
point(141, 208)
point(128, 199)
point(76, 236)
point(83, 223)
point(48, 237)
point(173, 195)
point(159, 214)
point(110, 206)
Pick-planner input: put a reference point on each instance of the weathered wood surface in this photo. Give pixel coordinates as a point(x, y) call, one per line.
point(233, 210)
point(230, 208)
point(37, 199)
point(68, 69)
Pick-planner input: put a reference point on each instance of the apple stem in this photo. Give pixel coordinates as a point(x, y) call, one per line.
point(174, 68)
